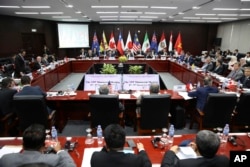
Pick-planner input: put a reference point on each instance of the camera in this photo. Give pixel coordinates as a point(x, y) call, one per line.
point(232, 139)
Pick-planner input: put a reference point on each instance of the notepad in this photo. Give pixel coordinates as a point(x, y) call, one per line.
point(186, 152)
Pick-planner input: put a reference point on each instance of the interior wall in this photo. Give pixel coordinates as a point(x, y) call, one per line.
point(195, 37)
point(235, 35)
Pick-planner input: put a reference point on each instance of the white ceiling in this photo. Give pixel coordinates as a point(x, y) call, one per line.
point(241, 10)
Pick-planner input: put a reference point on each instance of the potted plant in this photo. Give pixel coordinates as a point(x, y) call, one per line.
point(108, 69)
point(135, 69)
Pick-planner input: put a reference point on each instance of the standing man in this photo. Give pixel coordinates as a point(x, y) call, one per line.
point(20, 64)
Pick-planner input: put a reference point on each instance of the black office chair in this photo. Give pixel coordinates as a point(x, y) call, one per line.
point(32, 109)
point(105, 110)
point(241, 118)
point(154, 113)
point(217, 111)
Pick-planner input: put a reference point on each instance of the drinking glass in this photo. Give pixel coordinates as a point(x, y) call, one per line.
point(89, 139)
point(164, 138)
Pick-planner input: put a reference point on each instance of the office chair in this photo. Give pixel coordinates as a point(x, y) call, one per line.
point(217, 111)
point(104, 110)
point(241, 119)
point(7, 123)
point(32, 109)
point(153, 114)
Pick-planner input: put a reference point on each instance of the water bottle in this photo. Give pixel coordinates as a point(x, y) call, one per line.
point(99, 134)
point(225, 134)
point(171, 134)
point(54, 134)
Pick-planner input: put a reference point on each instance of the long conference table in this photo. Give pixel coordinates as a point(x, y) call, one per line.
point(76, 107)
point(155, 154)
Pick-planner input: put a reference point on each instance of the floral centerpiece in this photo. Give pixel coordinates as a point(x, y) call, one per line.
point(122, 59)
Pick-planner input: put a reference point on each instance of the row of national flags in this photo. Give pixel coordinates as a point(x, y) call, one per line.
point(135, 45)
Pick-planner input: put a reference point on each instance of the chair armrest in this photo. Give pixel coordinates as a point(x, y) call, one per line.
point(7, 116)
point(52, 114)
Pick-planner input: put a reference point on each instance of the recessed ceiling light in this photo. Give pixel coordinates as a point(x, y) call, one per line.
point(181, 20)
point(107, 12)
point(143, 7)
point(180, 13)
point(131, 12)
point(108, 16)
point(196, 7)
point(225, 9)
point(104, 6)
point(228, 18)
point(69, 6)
point(61, 17)
point(78, 12)
point(244, 15)
point(191, 17)
point(210, 18)
point(128, 16)
point(51, 12)
point(161, 13)
point(163, 7)
point(144, 19)
point(36, 7)
point(70, 20)
point(26, 13)
point(149, 17)
point(9, 7)
point(227, 14)
point(204, 14)
point(245, 9)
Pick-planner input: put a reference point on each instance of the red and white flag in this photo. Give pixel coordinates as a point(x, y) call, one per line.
point(162, 43)
point(120, 45)
point(112, 44)
point(129, 43)
point(170, 45)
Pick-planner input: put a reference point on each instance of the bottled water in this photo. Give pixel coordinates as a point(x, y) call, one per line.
point(225, 134)
point(171, 134)
point(99, 134)
point(54, 134)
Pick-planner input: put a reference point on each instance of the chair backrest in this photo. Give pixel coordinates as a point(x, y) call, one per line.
point(242, 117)
point(154, 111)
point(104, 110)
point(218, 109)
point(31, 109)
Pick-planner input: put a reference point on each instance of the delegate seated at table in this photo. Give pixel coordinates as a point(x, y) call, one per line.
point(206, 145)
point(112, 154)
point(201, 93)
point(245, 80)
point(33, 148)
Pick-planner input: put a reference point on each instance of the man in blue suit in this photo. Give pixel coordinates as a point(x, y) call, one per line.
point(202, 93)
point(31, 90)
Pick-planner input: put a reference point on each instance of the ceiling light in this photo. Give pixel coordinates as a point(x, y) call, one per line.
point(85, 16)
point(225, 9)
point(131, 12)
point(171, 17)
point(107, 12)
point(204, 14)
point(201, 21)
point(9, 7)
point(69, 6)
point(104, 6)
point(61, 17)
point(156, 13)
point(26, 13)
point(245, 0)
point(181, 20)
point(196, 7)
point(191, 17)
point(78, 12)
point(128, 16)
point(228, 18)
point(108, 16)
point(70, 20)
point(245, 9)
point(227, 14)
point(214, 21)
point(210, 18)
point(109, 19)
point(180, 13)
point(163, 7)
point(133, 22)
point(51, 12)
point(149, 17)
point(244, 15)
point(134, 7)
point(144, 19)
point(127, 19)
point(36, 7)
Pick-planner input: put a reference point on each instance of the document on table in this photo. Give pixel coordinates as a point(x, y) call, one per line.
point(186, 152)
point(7, 149)
point(184, 95)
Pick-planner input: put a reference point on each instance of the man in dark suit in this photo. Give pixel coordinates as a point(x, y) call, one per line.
point(38, 63)
point(206, 146)
point(245, 80)
point(31, 90)
point(33, 147)
point(112, 154)
point(218, 67)
point(20, 66)
point(202, 93)
point(208, 64)
point(237, 73)
point(6, 95)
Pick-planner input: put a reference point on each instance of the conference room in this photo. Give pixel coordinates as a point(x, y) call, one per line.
point(156, 34)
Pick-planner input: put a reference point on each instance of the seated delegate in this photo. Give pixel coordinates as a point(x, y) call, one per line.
point(206, 145)
point(112, 154)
